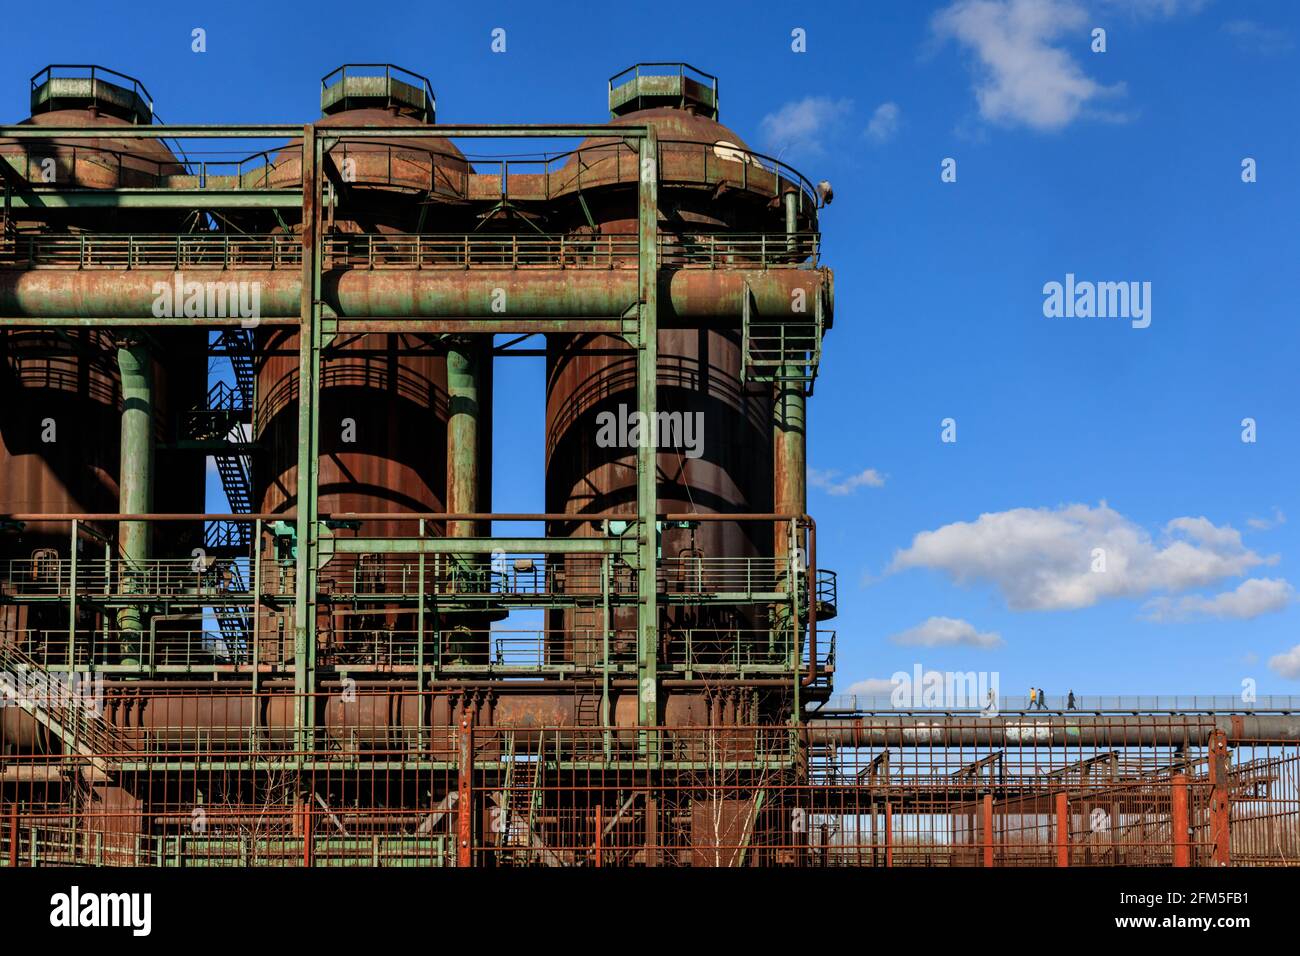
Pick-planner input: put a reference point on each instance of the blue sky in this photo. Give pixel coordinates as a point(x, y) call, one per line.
point(1115, 166)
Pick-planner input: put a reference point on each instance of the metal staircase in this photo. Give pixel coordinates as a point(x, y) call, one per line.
point(237, 345)
point(228, 412)
point(233, 620)
point(80, 730)
point(236, 482)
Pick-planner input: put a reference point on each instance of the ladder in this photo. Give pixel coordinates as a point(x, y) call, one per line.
point(232, 619)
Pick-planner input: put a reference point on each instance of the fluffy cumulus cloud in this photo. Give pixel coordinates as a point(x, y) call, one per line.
point(803, 126)
point(947, 632)
point(1250, 599)
point(831, 482)
point(884, 123)
point(1074, 556)
point(1024, 75)
point(1287, 663)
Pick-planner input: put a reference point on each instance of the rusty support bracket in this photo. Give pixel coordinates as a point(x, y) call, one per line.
point(1220, 802)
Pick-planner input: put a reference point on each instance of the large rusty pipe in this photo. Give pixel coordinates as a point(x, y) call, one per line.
point(1127, 731)
point(693, 294)
point(135, 482)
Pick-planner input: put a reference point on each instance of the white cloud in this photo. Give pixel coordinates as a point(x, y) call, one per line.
point(884, 123)
point(1267, 524)
point(1250, 599)
point(1252, 37)
point(1287, 664)
point(1042, 559)
point(871, 687)
point(800, 126)
point(947, 632)
point(1022, 78)
point(831, 482)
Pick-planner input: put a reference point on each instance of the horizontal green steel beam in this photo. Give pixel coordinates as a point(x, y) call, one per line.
point(278, 131)
point(477, 545)
point(474, 131)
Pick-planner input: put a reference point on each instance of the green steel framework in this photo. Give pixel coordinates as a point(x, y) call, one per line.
point(318, 324)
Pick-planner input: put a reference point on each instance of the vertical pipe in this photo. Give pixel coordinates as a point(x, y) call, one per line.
point(646, 454)
point(789, 466)
point(135, 484)
point(1062, 829)
point(419, 641)
point(307, 846)
point(789, 445)
point(465, 795)
point(463, 383)
point(600, 835)
point(257, 603)
point(1178, 820)
point(304, 611)
point(791, 200)
point(889, 834)
point(988, 829)
point(72, 598)
point(1220, 805)
point(13, 834)
point(651, 829)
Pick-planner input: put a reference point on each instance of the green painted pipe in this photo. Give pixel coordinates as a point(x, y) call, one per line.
point(135, 482)
point(464, 357)
point(790, 450)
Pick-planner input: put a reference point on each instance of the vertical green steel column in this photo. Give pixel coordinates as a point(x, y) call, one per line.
point(789, 467)
point(646, 453)
point(463, 428)
point(309, 336)
point(789, 436)
point(135, 483)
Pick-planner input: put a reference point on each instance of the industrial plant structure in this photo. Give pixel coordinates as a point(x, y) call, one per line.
point(326, 672)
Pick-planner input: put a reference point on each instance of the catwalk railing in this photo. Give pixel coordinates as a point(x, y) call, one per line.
point(234, 251)
point(458, 779)
point(191, 644)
